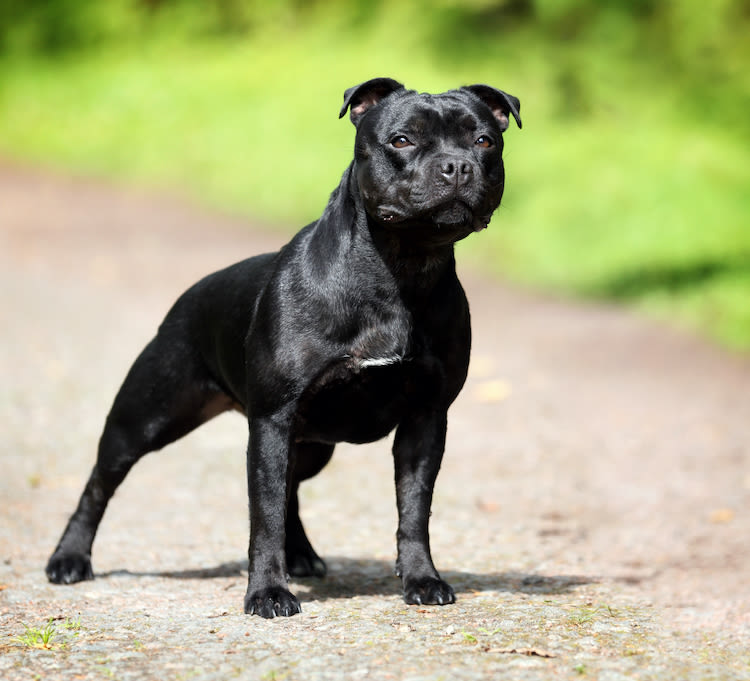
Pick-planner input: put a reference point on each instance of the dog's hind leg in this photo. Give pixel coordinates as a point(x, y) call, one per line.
point(301, 558)
point(166, 394)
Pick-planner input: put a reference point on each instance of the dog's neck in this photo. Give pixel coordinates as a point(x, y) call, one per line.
point(408, 260)
point(413, 264)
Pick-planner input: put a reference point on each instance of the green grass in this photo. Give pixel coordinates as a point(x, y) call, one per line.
point(38, 637)
point(627, 182)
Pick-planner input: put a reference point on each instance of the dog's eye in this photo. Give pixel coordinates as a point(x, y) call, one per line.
point(484, 141)
point(400, 142)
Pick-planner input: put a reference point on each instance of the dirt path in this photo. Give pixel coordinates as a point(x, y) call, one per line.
point(593, 511)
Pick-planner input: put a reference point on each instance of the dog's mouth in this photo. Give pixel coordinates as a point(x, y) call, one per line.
point(454, 213)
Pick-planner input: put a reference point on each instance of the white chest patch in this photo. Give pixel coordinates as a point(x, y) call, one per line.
point(379, 361)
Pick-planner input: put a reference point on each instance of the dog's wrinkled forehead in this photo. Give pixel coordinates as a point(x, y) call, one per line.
point(425, 113)
point(380, 98)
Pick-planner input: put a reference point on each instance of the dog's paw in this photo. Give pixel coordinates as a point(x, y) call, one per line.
point(69, 568)
point(306, 565)
point(271, 602)
point(428, 591)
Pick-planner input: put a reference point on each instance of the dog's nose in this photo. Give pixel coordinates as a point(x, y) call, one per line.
point(455, 170)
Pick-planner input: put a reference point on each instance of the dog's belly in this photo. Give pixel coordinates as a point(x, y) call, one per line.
point(354, 403)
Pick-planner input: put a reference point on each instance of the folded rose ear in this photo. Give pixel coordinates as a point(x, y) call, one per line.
point(501, 103)
point(366, 95)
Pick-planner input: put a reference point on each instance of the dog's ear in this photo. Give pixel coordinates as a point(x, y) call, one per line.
point(501, 103)
point(365, 95)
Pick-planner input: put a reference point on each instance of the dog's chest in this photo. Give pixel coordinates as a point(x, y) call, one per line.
point(360, 400)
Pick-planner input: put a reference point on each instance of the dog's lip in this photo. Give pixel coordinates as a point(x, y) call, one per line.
point(482, 223)
point(450, 203)
point(392, 215)
point(450, 206)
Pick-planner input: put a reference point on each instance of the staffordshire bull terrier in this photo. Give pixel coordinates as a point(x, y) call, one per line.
point(358, 326)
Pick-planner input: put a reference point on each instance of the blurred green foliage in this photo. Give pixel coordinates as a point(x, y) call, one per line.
point(630, 179)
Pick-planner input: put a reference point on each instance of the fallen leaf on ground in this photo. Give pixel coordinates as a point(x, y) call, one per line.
point(495, 390)
point(721, 515)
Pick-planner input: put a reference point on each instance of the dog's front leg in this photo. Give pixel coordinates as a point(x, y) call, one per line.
point(268, 471)
point(417, 452)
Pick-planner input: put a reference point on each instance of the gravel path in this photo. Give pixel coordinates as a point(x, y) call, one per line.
point(593, 511)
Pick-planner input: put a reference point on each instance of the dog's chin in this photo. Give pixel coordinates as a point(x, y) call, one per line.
point(455, 214)
point(448, 222)
point(452, 214)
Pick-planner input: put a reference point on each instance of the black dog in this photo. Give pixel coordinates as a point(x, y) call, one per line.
point(358, 326)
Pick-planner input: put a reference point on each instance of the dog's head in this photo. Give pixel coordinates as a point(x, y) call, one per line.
point(430, 163)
